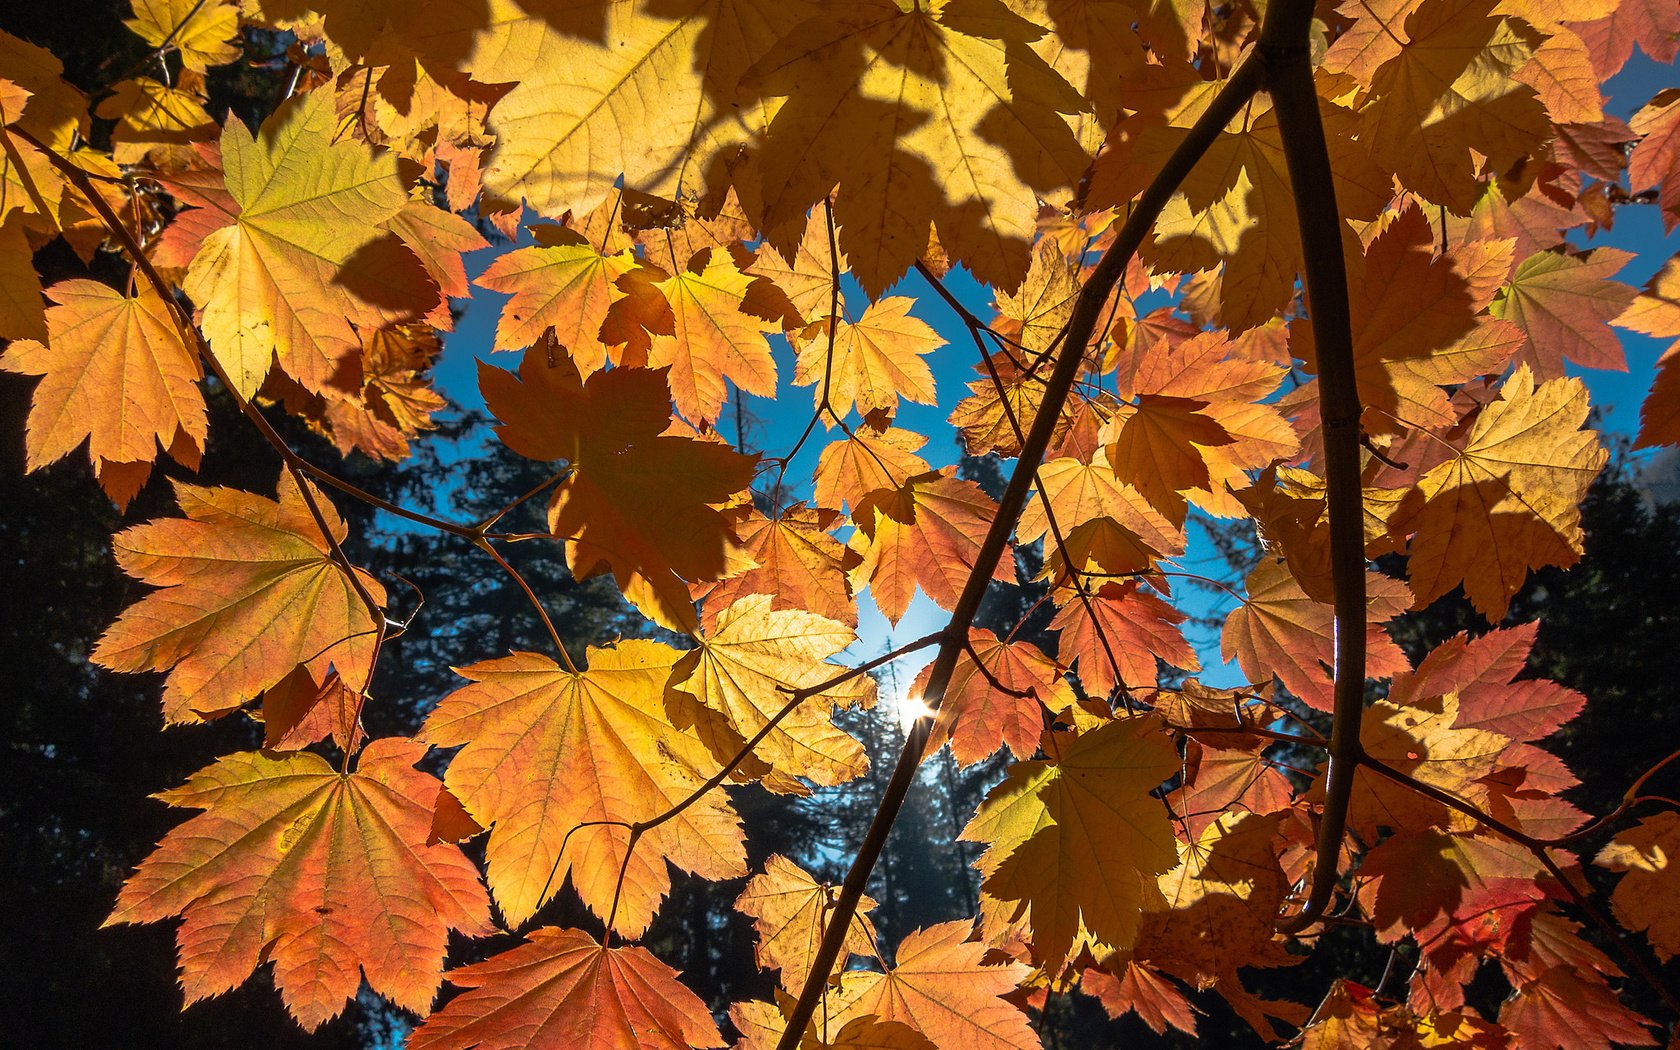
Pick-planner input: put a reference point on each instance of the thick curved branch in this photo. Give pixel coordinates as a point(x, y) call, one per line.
point(1283, 48)
point(1242, 85)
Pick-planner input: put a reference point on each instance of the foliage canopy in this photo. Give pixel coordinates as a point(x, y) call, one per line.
point(1324, 271)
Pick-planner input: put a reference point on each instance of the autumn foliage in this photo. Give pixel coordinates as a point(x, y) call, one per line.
point(1155, 195)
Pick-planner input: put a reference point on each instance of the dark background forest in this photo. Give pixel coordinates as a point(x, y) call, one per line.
point(81, 750)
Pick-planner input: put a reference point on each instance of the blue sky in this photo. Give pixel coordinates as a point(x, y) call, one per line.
point(1617, 395)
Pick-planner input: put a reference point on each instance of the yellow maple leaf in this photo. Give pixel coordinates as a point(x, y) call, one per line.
point(305, 259)
point(205, 34)
point(627, 88)
point(1077, 839)
point(745, 668)
point(714, 340)
point(1450, 90)
point(865, 462)
point(790, 911)
point(545, 751)
point(965, 126)
point(1508, 500)
point(877, 360)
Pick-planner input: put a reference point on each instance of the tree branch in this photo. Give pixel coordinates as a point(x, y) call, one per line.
point(1288, 62)
point(1242, 85)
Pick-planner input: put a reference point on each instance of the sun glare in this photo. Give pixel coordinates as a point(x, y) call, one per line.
point(908, 708)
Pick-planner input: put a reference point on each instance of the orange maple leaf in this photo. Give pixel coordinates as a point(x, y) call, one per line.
point(562, 988)
point(555, 763)
point(799, 565)
point(1139, 627)
point(996, 697)
point(636, 500)
point(326, 874)
point(940, 988)
point(926, 532)
point(250, 591)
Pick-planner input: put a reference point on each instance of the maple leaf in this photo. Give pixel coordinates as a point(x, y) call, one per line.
point(1447, 91)
point(926, 532)
point(789, 910)
point(1564, 305)
point(204, 34)
point(965, 120)
point(1222, 214)
point(562, 988)
point(1138, 989)
point(1427, 742)
point(1656, 312)
point(646, 92)
point(545, 751)
point(249, 591)
point(877, 360)
point(1037, 313)
point(996, 697)
point(852, 470)
point(326, 874)
point(1481, 674)
point(1139, 626)
point(1212, 915)
point(1566, 1009)
point(1645, 897)
point(566, 287)
point(1655, 162)
point(1196, 427)
point(803, 278)
point(636, 500)
point(1077, 839)
point(154, 120)
point(1416, 323)
point(940, 988)
point(747, 666)
point(713, 340)
point(1509, 499)
point(1610, 37)
point(798, 564)
point(117, 375)
point(1107, 525)
point(304, 260)
point(1426, 881)
point(1280, 630)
